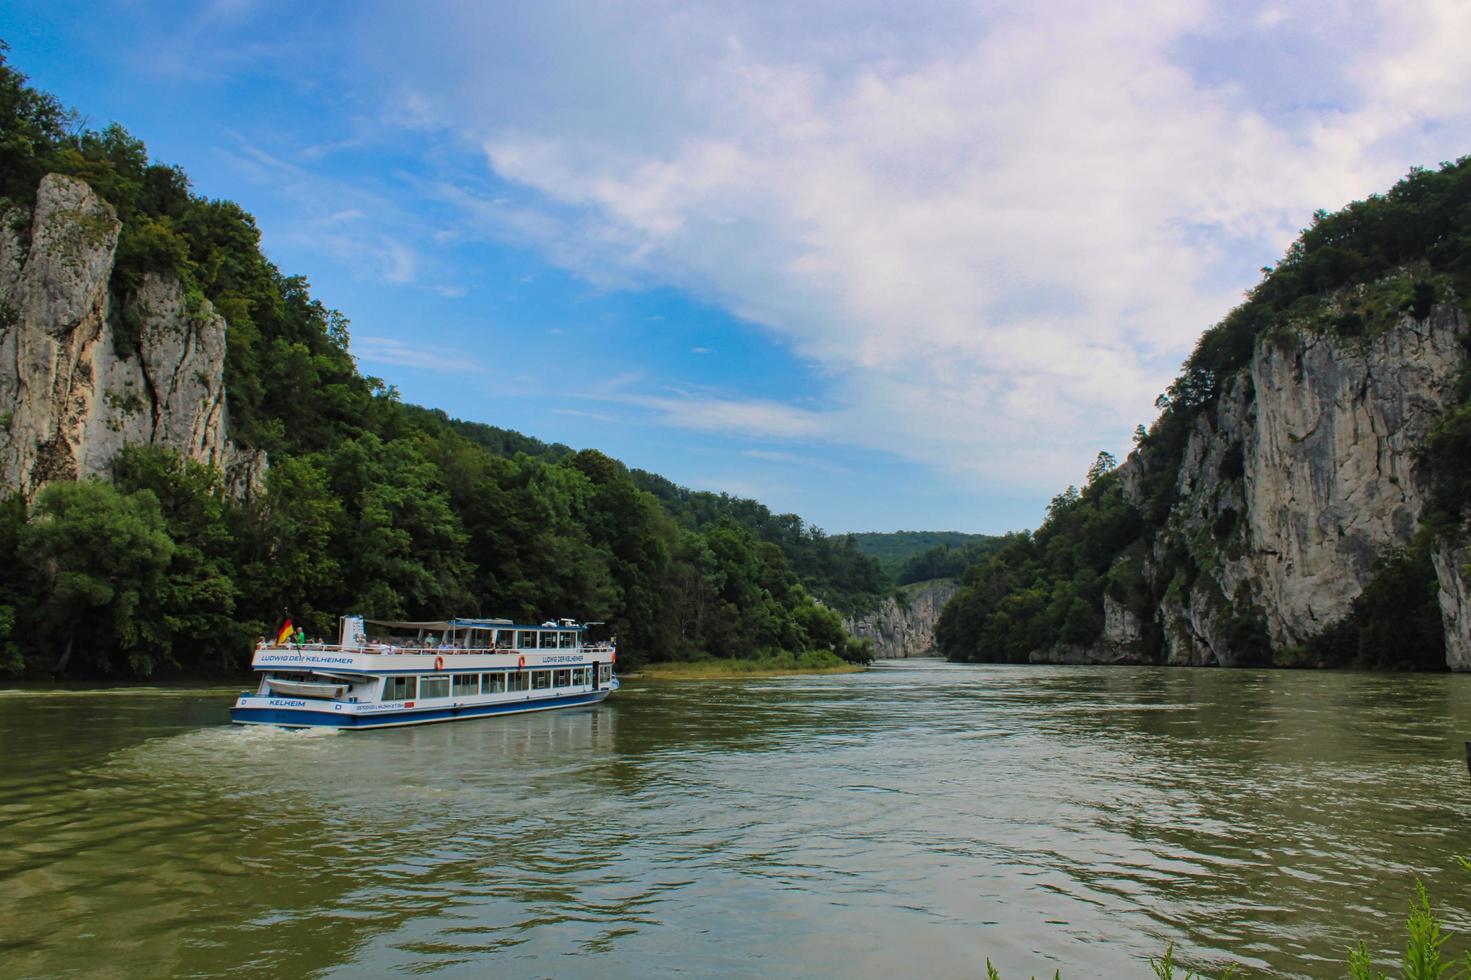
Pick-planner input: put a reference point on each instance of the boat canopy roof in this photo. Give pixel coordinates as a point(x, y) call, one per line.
point(395, 624)
point(461, 624)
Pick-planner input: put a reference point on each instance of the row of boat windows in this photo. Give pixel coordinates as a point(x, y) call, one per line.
point(412, 688)
point(499, 640)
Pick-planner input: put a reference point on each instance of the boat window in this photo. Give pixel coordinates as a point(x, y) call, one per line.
point(569, 640)
point(548, 641)
point(434, 686)
point(562, 678)
point(518, 681)
point(492, 683)
point(526, 639)
point(541, 679)
point(605, 671)
point(400, 688)
point(467, 684)
point(505, 639)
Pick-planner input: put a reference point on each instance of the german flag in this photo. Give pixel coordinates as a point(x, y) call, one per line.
point(285, 633)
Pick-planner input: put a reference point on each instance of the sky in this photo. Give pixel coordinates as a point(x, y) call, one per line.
point(887, 266)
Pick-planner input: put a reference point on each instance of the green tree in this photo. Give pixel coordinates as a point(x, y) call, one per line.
point(195, 601)
point(284, 541)
point(98, 558)
point(399, 543)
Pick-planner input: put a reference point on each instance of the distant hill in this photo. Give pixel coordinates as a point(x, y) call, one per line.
point(895, 549)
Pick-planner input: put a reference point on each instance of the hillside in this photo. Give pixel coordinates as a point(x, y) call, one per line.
point(1302, 497)
point(945, 553)
point(191, 454)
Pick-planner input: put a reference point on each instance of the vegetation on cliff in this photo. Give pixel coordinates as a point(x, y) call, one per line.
point(1352, 275)
point(368, 504)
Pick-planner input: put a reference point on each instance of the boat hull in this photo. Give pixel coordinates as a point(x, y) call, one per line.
point(338, 715)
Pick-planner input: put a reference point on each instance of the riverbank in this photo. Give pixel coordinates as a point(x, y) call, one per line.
point(721, 668)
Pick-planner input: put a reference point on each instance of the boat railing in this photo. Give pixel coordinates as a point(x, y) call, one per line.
point(394, 649)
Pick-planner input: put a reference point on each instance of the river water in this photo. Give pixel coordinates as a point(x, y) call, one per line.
point(912, 820)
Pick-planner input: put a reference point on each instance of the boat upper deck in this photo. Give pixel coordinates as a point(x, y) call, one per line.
point(394, 646)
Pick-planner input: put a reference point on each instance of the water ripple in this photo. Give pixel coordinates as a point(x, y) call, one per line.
point(917, 818)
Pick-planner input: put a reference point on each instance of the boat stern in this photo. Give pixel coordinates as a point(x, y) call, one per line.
point(255, 709)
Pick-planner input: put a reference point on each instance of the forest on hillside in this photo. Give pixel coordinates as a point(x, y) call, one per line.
point(368, 505)
point(1352, 275)
point(918, 556)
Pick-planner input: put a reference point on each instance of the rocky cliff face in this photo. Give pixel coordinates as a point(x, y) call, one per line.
point(69, 400)
point(1453, 573)
point(907, 628)
point(1291, 490)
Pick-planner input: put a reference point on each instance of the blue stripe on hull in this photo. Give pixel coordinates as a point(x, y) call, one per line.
point(422, 716)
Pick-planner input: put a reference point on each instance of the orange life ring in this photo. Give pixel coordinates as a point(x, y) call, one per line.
point(438, 663)
point(521, 662)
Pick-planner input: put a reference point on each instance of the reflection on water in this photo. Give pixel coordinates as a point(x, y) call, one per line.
point(920, 817)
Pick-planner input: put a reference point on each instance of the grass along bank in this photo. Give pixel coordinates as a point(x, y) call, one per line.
point(769, 665)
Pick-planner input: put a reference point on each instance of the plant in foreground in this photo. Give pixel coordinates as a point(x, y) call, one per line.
point(1164, 969)
point(1423, 958)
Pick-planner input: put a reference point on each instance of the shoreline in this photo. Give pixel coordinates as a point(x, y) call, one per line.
point(699, 670)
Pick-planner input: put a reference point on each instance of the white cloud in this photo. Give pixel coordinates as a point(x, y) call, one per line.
point(804, 460)
point(753, 418)
point(995, 231)
point(333, 216)
point(395, 353)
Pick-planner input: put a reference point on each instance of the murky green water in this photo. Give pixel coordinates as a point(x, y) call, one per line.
point(912, 820)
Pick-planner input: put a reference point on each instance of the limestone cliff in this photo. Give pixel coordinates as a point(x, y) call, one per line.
point(1289, 491)
point(1452, 562)
point(69, 399)
point(905, 627)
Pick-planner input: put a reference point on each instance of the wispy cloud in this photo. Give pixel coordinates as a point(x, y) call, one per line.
point(804, 460)
point(702, 411)
point(754, 418)
point(595, 416)
point(393, 352)
point(368, 230)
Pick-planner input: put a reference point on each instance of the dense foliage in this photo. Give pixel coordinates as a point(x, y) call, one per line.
point(1044, 587)
point(896, 549)
point(834, 569)
point(946, 560)
point(368, 505)
point(1353, 273)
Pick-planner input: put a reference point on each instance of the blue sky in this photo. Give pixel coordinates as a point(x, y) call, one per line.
point(884, 266)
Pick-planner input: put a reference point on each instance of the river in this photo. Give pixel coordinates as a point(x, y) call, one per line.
point(912, 820)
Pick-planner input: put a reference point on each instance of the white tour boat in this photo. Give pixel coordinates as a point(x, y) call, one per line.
point(414, 673)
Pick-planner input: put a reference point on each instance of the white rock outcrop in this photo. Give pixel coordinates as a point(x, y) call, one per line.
point(69, 399)
point(1453, 573)
point(905, 629)
point(1290, 490)
point(1330, 480)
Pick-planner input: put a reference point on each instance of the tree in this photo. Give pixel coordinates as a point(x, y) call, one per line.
point(97, 556)
point(284, 540)
point(197, 595)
